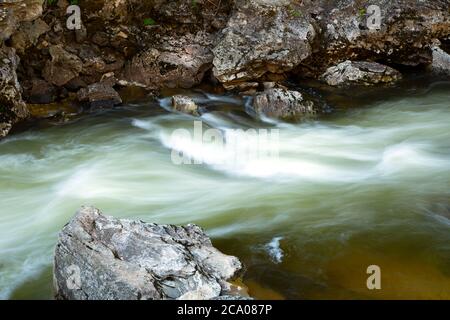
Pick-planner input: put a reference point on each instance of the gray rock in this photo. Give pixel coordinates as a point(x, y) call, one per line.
point(360, 73)
point(184, 104)
point(99, 257)
point(441, 61)
point(262, 37)
point(283, 104)
point(407, 27)
point(12, 107)
point(99, 95)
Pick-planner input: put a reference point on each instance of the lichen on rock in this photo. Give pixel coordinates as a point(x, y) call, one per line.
point(261, 37)
point(360, 73)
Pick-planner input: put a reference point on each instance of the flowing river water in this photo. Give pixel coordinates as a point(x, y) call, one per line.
point(367, 185)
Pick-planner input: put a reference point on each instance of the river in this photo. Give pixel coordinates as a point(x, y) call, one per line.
point(366, 185)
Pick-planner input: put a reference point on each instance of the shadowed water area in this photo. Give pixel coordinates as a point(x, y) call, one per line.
point(366, 184)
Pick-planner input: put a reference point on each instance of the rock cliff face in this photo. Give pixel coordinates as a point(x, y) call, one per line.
point(173, 63)
point(99, 257)
point(239, 44)
point(262, 38)
point(406, 30)
point(15, 12)
point(12, 107)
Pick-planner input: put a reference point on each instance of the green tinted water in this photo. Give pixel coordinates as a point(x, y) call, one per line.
point(366, 186)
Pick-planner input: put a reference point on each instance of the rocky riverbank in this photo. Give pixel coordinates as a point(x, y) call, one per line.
point(99, 257)
point(248, 46)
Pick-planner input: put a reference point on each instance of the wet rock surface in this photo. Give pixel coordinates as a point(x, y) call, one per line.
point(360, 73)
point(99, 95)
point(99, 257)
point(283, 104)
point(184, 104)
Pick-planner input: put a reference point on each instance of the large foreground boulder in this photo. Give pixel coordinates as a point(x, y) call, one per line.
point(99, 257)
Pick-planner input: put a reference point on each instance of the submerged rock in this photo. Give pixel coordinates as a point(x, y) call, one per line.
point(99, 257)
point(283, 104)
point(184, 104)
point(360, 73)
point(12, 107)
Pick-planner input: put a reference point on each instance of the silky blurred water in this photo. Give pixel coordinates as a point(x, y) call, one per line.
point(368, 185)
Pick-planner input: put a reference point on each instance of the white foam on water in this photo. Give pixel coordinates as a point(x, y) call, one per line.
point(274, 250)
point(142, 124)
point(220, 98)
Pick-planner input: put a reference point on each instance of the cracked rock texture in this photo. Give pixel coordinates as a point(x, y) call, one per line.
point(360, 73)
point(406, 30)
point(175, 63)
point(63, 66)
point(261, 37)
point(12, 107)
point(99, 257)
